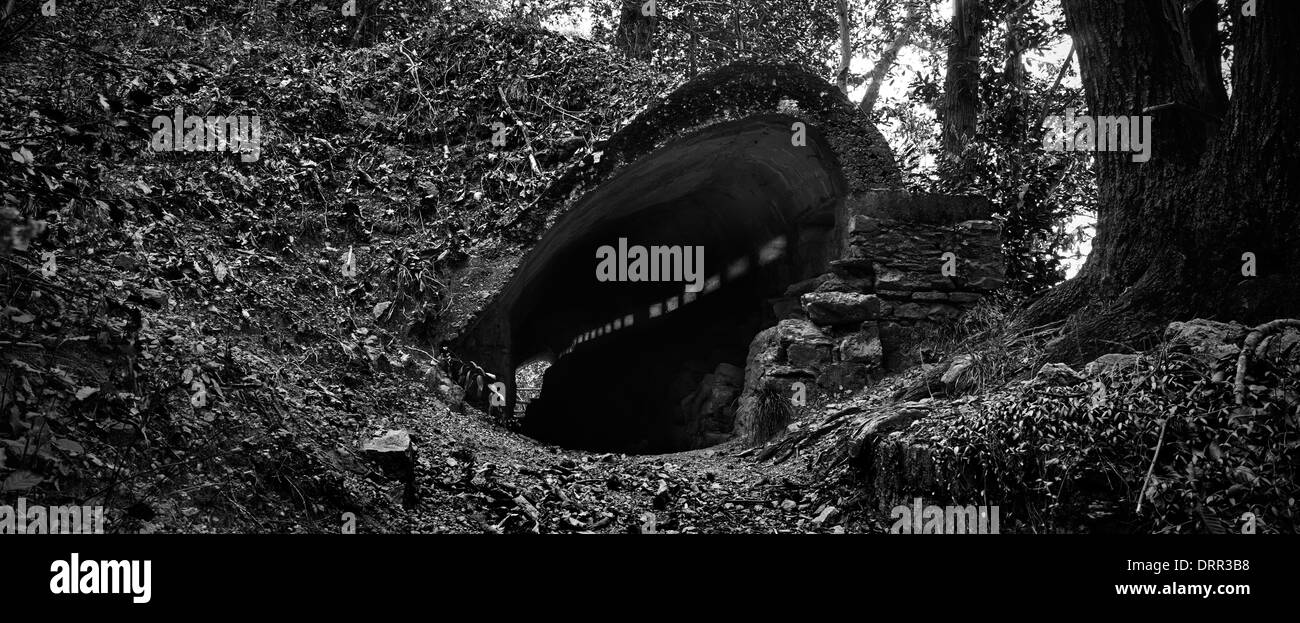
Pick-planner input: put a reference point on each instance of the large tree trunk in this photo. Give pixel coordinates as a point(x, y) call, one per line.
point(1171, 232)
point(635, 34)
point(960, 111)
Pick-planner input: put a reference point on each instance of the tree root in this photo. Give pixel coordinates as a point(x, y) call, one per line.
point(1248, 348)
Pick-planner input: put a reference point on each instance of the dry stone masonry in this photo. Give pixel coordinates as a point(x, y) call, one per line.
point(729, 162)
point(908, 260)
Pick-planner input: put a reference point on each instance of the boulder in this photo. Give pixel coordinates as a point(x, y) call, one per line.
point(981, 274)
point(694, 403)
point(840, 284)
point(781, 373)
point(849, 376)
point(895, 294)
point(852, 268)
point(395, 454)
point(864, 226)
point(1057, 375)
point(964, 297)
point(764, 353)
point(861, 348)
point(1208, 340)
point(898, 340)
point(910, 311)
point(891, 205)
point(1112, 362)
point(874, 425)
point(955, 377)
point(393, 443)
point(797, 331)
point(839, 308)
point(805, 344)
point(720, 395)
point(941, 312)
point(894, 277)
point(805, 355)
point(447, 389)
point(763, 358)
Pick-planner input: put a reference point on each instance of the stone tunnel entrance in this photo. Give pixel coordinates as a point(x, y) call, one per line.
point(650, 366)
point(752, 165)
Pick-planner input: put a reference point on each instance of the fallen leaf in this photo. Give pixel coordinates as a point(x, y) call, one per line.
point(69, 446)
point(21, 480)
point(86, 392)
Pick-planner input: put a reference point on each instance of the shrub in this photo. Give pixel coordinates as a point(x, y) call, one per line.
point(1065, 459)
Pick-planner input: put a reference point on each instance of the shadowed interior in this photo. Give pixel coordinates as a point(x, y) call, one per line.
point(764, 212)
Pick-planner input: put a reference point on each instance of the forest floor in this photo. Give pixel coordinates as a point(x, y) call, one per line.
point(203, 344)
point(193, 387)
point(484, 479)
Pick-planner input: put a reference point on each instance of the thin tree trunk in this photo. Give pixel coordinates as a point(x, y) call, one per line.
point(635, 34)
point(740, 32)
point(961, 103)
point(364, 33)
point(886, 61)
point(691, 51)
point(846, 47)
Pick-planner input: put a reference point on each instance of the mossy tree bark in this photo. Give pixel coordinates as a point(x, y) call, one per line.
point(1223, 179)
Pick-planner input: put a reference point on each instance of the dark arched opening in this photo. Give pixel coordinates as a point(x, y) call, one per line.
point(647, 366)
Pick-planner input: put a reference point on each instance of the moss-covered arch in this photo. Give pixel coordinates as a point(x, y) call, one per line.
point(711, 163)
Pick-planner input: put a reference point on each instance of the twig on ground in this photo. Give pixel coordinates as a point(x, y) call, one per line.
point(532, 159)
point(1152, 468)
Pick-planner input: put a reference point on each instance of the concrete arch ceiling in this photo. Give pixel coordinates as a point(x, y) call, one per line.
point(711, 165)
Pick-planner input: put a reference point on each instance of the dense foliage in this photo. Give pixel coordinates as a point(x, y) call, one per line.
point(1159, 446)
